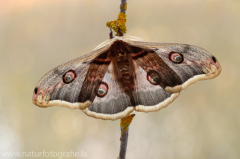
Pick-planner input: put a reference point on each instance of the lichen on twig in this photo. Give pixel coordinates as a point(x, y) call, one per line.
point(125, 122)
point(120, 23)
point(124, 125)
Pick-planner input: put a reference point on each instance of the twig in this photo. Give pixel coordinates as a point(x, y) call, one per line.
point(123, 6)
point(119, 26)
point(125, 123)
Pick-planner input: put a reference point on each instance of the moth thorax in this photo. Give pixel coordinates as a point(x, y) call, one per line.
point(121, 53)
point(123, 64)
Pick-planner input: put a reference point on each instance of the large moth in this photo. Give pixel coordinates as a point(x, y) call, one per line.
point(124, 74)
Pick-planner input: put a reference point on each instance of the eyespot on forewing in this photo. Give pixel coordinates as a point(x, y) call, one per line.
point(176, 57)
point(69, 77)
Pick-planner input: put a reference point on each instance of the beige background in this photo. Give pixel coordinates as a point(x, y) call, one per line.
point(38, 35)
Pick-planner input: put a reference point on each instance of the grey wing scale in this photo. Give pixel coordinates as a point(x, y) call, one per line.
point(70, 92)
point(150, 97)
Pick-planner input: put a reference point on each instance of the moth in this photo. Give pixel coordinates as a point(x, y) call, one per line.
point(124, 74)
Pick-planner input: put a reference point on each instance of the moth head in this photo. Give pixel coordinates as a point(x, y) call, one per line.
point(109, 42)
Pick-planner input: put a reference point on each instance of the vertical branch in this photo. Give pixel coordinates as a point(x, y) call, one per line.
point(119, 26)
point(125, 123)
point(123, 6)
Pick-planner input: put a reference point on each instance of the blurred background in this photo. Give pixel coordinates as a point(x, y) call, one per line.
point(38, 35)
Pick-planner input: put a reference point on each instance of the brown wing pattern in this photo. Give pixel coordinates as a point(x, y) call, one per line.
point(157, 68)
point(96, 72)
point(116, 102)
point(146, 93)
